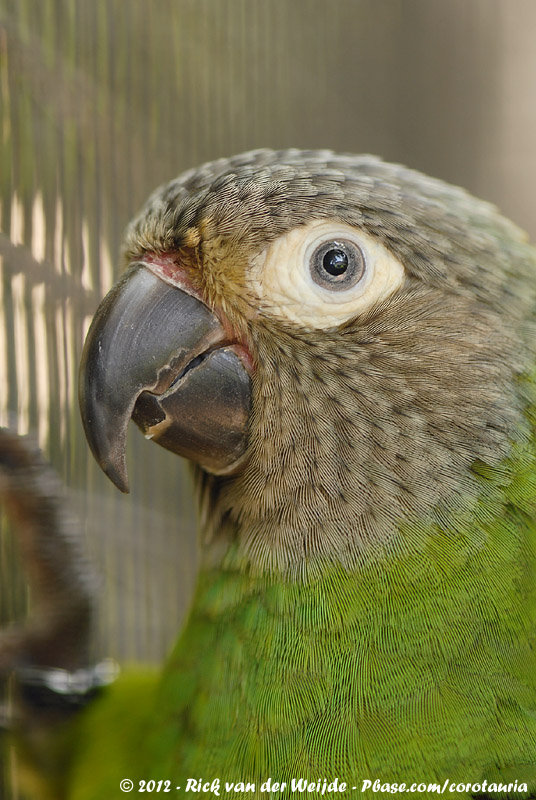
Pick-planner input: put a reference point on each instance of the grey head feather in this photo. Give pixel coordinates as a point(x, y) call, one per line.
point(360, 431)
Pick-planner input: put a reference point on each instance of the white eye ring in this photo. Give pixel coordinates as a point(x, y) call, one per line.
point(288, 285)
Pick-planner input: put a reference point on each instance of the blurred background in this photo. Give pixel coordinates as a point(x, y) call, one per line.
point(101, 101)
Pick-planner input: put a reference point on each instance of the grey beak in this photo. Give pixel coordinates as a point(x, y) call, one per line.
point(159, 355)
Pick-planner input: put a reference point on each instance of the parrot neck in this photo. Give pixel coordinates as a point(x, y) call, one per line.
point(346, 462)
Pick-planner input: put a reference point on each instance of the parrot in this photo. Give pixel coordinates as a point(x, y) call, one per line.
point(344, 350)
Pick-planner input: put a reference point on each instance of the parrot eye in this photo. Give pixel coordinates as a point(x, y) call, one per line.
point(337, 265)
point(324, 273)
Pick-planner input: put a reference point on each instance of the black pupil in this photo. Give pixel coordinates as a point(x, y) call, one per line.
point(335, 262)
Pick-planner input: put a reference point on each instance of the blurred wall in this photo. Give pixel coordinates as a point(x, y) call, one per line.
point(103, 100)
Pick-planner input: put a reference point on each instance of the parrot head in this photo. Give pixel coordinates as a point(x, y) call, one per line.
point(335, 342)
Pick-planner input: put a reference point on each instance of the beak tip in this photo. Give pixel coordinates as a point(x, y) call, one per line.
point(119, 479)
point(109, 452)
point(114, 468)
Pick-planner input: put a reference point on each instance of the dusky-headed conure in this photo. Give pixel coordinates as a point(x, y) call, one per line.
point(345, 350)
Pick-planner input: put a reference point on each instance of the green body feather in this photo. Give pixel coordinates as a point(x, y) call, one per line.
point(419, 668)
